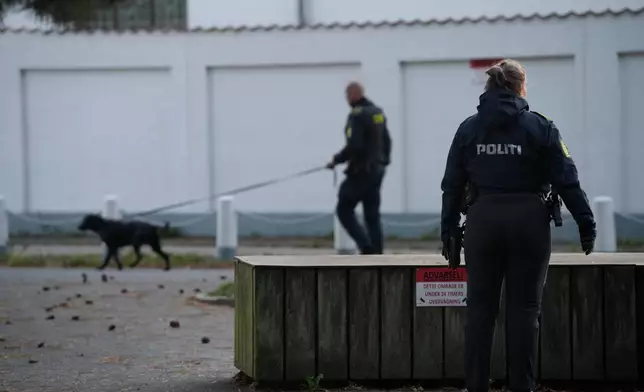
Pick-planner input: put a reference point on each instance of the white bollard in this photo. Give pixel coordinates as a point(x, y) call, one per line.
point(604, 211)
point(226, 238)
point(342, 242)
point(4, 227)
point(111, 208)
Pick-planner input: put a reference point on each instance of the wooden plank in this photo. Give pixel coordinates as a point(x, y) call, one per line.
point(333, 352)
point(396, 306)
point(498, 367)
point(587, 323)
point(428, 340)
point(244, 318)
point(427, 260)
point(300, 323)
point(238, 317)
point(269, 324)
point(364, 324)
point(620, 323)
point(639, 286)
point(454, 342)
point(555, 344)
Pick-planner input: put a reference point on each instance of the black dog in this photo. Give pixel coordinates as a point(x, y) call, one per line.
point(117, 234)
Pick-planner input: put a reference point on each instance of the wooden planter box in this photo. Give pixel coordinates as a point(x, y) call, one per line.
point(355, 318)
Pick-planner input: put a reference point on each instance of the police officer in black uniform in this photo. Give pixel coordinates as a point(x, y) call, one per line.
point(367, 153)
point(510, 156)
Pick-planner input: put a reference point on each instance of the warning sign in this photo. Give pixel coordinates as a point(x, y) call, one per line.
point(441, 287)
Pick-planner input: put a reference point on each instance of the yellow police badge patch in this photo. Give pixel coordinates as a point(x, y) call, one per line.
point(348, 132)
point(564, 148)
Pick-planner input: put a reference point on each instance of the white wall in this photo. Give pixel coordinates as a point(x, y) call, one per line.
point(632, 101)
point(199, 112)
point(209, 13)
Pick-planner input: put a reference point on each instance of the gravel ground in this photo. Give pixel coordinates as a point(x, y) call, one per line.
point(142, 353)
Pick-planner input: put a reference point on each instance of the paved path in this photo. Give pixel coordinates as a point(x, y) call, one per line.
point(142, 353)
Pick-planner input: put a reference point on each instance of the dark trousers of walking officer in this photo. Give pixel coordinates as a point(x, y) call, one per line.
point(362, 188)
point(507, 236)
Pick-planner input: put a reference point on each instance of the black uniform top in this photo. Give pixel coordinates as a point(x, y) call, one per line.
point(368, 142)
point(506, 148)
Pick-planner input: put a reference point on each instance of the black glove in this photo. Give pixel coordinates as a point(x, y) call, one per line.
point(445, 250)
point(452, 245)
point(587, 235)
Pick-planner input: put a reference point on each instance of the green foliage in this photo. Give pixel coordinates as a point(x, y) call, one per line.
point(67, 13)
point(312, 384)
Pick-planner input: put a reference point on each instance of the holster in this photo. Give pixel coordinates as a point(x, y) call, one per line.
point(455, 245)
point(553, 203)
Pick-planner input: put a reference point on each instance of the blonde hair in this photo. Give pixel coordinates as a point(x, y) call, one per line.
point(507, 74)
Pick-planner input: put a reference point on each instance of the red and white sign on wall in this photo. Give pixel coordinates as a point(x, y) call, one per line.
point(441, 287)
point(479, 66)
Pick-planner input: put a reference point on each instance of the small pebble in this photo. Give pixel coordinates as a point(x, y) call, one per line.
point(181, 291)
point(3, 340)
point(88, 302)
point(63, 305)
point(205, 340)
point(68, 299)
point(78, 295)
point(41, 344)
point(32, 361)
point(50, 317)
point(84, 275)
point(124, 291)
point(75, 318)
point(7, 322)
point(161, 286)
point(197, 290)
point(174, 324)
point(104, 278)
point(49, 309)
point(204, 280)
point(111, 327)
point(56, 287)
point(45, 288)
point(111, 278)
point(222, 277)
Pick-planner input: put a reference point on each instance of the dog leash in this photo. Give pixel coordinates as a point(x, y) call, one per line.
point(236, 191)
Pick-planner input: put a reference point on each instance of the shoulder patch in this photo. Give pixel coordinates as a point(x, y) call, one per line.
point(564, 148)
point(541, 115)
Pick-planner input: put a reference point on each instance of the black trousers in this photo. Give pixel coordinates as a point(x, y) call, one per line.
point(362, 188)
point(507, 237)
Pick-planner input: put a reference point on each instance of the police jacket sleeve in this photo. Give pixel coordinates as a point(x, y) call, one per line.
point(565, 180)
point(453, 186)
point(354, 146)
point(387, 146)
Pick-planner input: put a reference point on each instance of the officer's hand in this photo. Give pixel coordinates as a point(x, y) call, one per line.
point(587, 237)
point(330, 165)
point(445, 250)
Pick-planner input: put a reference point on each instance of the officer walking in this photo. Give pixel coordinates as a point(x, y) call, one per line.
point(510, 156)
point(367, 153)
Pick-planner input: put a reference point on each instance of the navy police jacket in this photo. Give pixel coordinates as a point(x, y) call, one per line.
point(506, 148)
point(368, 142)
